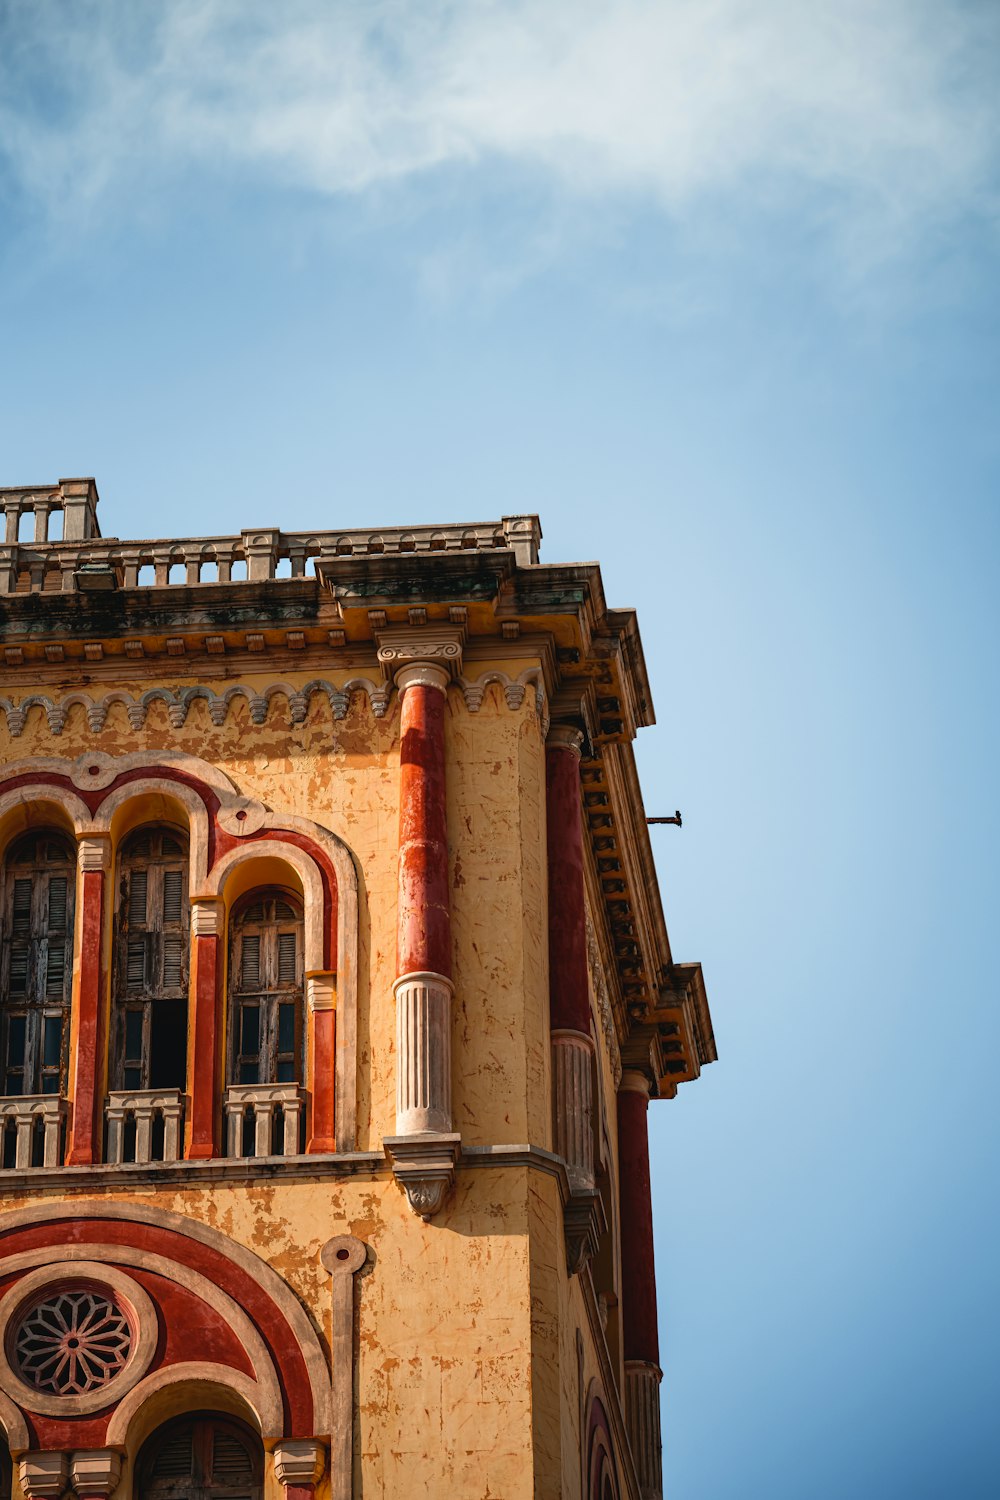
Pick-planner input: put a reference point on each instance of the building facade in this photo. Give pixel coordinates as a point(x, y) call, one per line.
point(334, 989)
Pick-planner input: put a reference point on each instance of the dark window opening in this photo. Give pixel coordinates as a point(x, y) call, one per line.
point(265, 992)
point(36, 963)
point(149, 1031)
point(202, 1458)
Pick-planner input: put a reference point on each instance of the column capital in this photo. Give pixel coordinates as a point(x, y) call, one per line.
point(565, 737)
point(93, 852)
point(299, 1461)
point(44, 1476)
point(321, 991)
point(436, 647)
point(634, 1082)
point(207, 916)
point(422, 674)
point(96, 1472)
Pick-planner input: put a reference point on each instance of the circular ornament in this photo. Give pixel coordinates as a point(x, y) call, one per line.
point(74, 1338)
point(72, 1341)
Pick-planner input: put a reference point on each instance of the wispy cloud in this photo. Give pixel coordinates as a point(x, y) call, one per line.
point(883, 111)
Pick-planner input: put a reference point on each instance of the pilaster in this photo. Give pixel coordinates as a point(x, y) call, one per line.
point(207, 925)
point(569, 992)
point(423, 1152)
point(93, 863)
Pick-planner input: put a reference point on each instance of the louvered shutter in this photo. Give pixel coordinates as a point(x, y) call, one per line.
point(250, 961)
point(286, 957)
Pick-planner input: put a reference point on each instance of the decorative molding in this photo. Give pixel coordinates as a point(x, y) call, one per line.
point(44, 1476)
point(404, 645)
point(514, 689)
point(54, 1277)
point(208, 917)
point(305, 868)
point(270, 1282)
point(599, 983)
point(343, 1257)
point(96, 1472)
point(321, 991)
point(204, 1380)
point(94, 853)
point(584, 1221)
point(201, 1286)
point(299, 1462)
point(178, 704)
point(424, 1166)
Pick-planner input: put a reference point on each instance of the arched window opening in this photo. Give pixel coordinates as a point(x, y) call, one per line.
point(36, 964)
point(149, 1033)
point(6, 1475)
point(265, 1009)
point(202, 1458)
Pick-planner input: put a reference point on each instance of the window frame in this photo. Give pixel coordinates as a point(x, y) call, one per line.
point(35, 1004)
point(269, 1057)
point(165, 968)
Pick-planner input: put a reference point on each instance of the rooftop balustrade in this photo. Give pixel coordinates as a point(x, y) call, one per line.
point(84, 560)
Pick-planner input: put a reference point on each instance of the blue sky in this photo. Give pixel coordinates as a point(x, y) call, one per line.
point(713, 288)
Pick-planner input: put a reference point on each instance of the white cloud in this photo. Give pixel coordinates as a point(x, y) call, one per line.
point(881, 110)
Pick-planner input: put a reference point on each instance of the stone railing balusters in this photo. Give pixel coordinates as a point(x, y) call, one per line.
point(262, 1101)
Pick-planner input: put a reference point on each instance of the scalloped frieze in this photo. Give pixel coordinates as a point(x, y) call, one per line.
point(178, 704)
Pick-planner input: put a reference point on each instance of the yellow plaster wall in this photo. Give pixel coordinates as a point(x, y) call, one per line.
point(468, 1326)
point(344, 774)
point(444, 1325)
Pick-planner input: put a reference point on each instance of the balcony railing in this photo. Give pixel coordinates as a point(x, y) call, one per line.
point(95, 562)
point(31, 1131)
point(144, 1125)
point(263, 1119)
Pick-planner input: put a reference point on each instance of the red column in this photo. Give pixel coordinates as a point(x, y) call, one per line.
point(424, 1149)
point(423, 936)
point(639, 1335)
point(207, 918)
point(83, 1143)
point(569, 982)
point(569, 996)
point(321, 999)
point(640, 1340)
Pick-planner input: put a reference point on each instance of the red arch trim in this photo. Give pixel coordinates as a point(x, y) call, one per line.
point(279, 1338)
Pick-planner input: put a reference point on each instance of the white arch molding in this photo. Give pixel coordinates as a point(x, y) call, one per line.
point(305, 1333)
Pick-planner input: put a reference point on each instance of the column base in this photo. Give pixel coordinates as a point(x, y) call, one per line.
point(584, 1221)
point(424, 1166)
point(642, 1414)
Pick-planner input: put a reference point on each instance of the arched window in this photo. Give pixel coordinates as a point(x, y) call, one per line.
point(149, 1028)
point(265, 990)
point(202, 1458)
point(36, 964)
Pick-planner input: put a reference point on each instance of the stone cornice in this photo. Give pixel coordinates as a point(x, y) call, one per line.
point(253, 1171)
